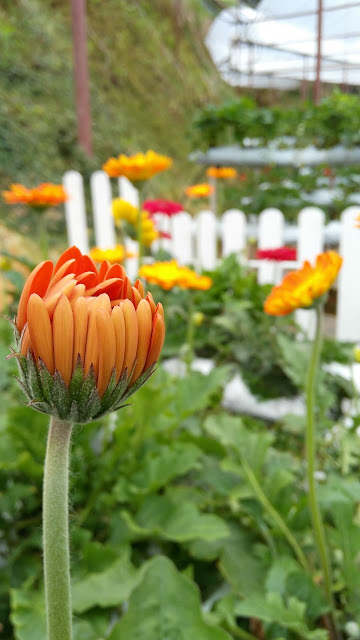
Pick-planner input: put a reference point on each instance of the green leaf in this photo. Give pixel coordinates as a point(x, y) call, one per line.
point(180, 521)
point(107, 588)
point(271, 608)
point(239, 563)
point(28, 614)
point(165, 606)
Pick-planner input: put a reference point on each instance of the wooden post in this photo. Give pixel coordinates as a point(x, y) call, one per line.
point(81, 75)
point(317, 88)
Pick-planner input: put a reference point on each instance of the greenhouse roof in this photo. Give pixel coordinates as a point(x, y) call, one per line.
point(275, 45)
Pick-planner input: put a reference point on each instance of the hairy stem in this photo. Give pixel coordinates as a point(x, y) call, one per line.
point(56, 531)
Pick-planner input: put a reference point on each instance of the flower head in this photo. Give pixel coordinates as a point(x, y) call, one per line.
point(169, 274)
point(221, 172)
point(123, 210)
point(113, 256)
point(45, 195)
point(203, 190)
point(88, 338)
point(300, 289)
point(279, 254)
point(168, 207)
point(138, 167)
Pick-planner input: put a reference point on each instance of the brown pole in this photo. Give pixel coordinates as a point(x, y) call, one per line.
point(81, 75)
point(317, 88)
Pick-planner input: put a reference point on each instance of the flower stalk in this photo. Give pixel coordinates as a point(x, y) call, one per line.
point(310, 441)
point(56, 531)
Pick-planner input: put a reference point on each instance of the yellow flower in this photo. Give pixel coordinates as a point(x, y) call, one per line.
point(123, 210)
point(202, 190)
point(169, 274)
point(115, 255)
point(140, 166)
point(221, 172)
point(300, 289)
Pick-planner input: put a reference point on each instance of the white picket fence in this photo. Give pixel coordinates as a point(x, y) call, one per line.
point(195, 241)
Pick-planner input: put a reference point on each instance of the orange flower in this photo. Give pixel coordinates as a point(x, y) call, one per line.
point(117, 254)
point(87, 336)
point(202, 190)
point(300, 289)
point(357, 222)
point(221, 172)
point(169, 274)
point(45, 195)
point(137, 167)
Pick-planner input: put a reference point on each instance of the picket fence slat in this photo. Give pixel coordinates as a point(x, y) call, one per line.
point(75, 211)
point(195, 241)
point(206, 240)
point(348, 302)
point(101, 201)
point(233, 232)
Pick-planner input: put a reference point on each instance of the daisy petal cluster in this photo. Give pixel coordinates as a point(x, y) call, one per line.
point(44, 195)
point(302, 288)
point(221, 173)
point(138, 167)
point(201, 190)
point(169, 274)
point(123, 210)
point(88, 338)
point(278, 255)
point(167, 207)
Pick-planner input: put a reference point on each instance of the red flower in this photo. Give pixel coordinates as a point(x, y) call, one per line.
point(164, 234)
point(279, 254)
point(168, 207)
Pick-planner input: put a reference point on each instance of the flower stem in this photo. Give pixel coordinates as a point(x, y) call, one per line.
point(318, 526)
point(43, 236)
point(275, 515)
point(190, 334)
point(56, 531)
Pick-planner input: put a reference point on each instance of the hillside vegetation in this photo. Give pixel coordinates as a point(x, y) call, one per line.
point(149, 72)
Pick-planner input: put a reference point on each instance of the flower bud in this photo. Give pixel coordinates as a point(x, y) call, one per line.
point(87, 339)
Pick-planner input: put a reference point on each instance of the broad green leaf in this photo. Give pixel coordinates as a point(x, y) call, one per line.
point(106, 588)
point(271, 608)
point(194, 392)
point(300, 585)
point(239, 564)
point(280, 569)
point(165, 606)
point(28, 614)
point(347, 537)
point(179, 521)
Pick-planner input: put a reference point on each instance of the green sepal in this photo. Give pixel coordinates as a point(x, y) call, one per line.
point(33, 379)
point(139, 382)
point(47, 381)
point(77, 380)
point(105, 400)
point(61, 398)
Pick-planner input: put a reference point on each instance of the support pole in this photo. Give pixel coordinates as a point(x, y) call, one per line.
point(81, 75)
point(317, 88)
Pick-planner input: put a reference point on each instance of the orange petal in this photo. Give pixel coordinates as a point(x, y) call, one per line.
point(81, 316)
point(92, 348)
point(151, 302)
point(107, 349)
point(40, 331)
point(59, 286)
point(86, 264)
point(131, 335)
point(111, 287)
point(88, 278)
point(137, 297)
point(37, 282)
point(63, 271)
point(157, 340)
point(127, 292)
point(119, 326)
point(77, 292)
point(140, 287)
point(104, 268)
point(160, 309)
point(144, 318)
point(116, 271)
point(63, 335)
point(69, 254)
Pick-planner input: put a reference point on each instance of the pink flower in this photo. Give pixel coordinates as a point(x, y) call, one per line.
point(279, 254)
point(168, 207)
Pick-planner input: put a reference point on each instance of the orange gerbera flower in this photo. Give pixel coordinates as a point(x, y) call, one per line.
point(140, 166)
point(45, 195)
point(202, 190)
point(169, 274)
point(88, 337)
point(221, 172)
point(300, 289)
